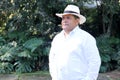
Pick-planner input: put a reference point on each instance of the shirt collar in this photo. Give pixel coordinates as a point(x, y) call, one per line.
point(72, 32)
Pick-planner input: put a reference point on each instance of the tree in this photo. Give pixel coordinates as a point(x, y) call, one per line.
point(108, 10)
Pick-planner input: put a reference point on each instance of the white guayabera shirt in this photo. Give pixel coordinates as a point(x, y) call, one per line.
point(74, 57)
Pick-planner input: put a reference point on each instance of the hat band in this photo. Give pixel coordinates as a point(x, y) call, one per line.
point(70, 12)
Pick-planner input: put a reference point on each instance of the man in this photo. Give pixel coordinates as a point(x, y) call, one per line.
point(74, 54)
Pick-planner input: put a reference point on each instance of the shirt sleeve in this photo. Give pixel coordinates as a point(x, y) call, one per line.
point(93, 59)
point(52, 64)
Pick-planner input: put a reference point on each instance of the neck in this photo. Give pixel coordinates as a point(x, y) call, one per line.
point(66, 34)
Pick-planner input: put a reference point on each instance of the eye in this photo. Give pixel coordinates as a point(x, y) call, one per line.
point(68, 17)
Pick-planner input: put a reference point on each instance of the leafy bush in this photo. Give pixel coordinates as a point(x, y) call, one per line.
point(24, 65)
point(23, 58)
point(108, 48)
point(6, 67)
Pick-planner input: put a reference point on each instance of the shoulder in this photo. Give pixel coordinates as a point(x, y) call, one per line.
point(57, 37)
point(86, 36)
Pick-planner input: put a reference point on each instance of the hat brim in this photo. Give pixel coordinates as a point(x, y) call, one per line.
point(82, 18)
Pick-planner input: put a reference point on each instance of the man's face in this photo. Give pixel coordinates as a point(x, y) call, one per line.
point(69, 22)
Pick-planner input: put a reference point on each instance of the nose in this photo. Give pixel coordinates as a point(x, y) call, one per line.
point(64, 20)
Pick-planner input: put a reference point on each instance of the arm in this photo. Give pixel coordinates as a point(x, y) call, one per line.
point(52, 64)
point(93, 59)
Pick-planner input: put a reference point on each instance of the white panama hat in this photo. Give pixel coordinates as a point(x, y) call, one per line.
point(74, 10)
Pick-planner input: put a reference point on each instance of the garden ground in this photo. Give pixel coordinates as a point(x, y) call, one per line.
point(114, 75)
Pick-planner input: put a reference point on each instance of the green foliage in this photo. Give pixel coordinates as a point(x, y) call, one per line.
point(24, 65)
point(108, 48)
point(108, 10)
point(2, 41)
point(7, 53)
point(22, 58)
point(25, 21)
point(24, 54)
point(33, 43)
point(6, 67)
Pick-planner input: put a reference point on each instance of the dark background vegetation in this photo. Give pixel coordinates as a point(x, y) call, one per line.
point(27, 28)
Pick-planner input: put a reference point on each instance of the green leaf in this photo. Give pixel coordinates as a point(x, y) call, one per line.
point(7, 53)
point(33, 43)
point(24, 65)
point(25, 53)
point(6, 67)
